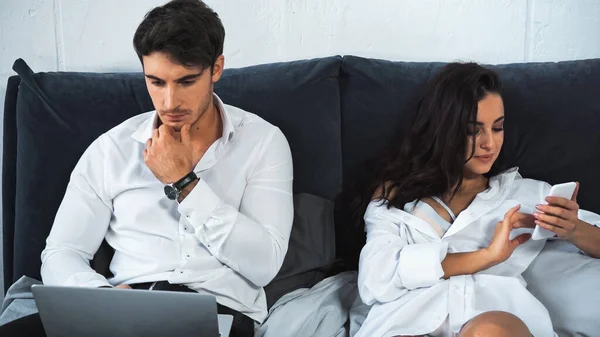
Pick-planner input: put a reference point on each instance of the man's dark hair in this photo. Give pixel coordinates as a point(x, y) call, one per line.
point(188, 31)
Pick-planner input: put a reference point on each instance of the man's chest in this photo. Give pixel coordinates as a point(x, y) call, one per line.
point(139, 198)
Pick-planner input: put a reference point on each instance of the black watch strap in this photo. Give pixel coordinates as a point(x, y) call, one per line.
point(183, 182)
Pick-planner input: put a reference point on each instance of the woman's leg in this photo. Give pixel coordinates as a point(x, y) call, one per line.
point(495, 324)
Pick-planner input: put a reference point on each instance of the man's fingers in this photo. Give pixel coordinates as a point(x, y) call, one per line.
point(185, 133)
point(165, 130)
point(155, 133)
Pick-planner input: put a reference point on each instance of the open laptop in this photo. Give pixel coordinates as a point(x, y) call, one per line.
point(90, 312)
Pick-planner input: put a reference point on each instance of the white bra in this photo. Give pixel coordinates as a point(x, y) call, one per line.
point(443, 204)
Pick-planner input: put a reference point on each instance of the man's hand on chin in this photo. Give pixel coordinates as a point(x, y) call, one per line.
point(170, 155)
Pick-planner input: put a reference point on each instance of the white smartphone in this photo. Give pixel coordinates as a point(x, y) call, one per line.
point(564, 190)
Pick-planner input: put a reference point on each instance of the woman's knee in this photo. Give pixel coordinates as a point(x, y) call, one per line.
point(495, 324)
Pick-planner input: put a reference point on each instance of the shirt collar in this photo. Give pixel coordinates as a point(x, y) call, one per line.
point(144, 130)
point(501, 184)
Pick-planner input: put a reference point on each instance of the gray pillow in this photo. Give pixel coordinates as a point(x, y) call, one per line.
point(311, 250)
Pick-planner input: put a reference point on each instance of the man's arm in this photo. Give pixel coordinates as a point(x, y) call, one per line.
point(254, 239)
point(79, 226)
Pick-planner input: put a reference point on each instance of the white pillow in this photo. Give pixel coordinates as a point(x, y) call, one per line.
point(568, 284)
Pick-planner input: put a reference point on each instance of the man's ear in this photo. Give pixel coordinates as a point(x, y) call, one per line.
point(218, 68)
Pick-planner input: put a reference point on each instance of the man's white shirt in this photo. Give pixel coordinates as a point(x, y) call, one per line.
point(228, 237)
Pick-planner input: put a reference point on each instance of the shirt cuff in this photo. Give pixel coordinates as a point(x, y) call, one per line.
point(589, 217)
point(87, 279)
point(420, 265)
point(199, 204)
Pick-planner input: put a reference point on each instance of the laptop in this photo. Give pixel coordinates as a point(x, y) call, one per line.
point(78, 311)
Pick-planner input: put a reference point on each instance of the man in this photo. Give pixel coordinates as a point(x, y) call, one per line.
point(195, 196)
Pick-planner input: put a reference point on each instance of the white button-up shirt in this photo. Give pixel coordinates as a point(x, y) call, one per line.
point(228, 237)
point(401, 275)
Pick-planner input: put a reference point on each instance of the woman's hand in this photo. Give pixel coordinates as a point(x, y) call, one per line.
point(560, 216)
point(501, 247)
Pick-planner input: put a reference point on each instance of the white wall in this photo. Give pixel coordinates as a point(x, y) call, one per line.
point(88, 35)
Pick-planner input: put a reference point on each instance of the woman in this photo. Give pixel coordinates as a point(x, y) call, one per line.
point(448, 234)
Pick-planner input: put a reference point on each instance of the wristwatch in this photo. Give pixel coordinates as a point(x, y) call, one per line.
point(174, 190)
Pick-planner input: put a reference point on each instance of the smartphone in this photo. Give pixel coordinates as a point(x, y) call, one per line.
point(564, 190)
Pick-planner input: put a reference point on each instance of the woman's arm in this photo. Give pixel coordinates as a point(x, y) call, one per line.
point(587, 238)
point(389, 265)
point(563, 217)
point(499, 250)
point(466, 263)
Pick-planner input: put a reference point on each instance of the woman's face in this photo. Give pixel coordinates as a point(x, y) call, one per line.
point(489, 135)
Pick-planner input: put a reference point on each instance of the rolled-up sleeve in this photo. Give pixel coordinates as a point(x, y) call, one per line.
point(389, 265)
point(253, 239)
point(589, 217)
point(420, 265)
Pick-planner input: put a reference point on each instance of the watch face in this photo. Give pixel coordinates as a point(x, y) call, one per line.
point(171, 192)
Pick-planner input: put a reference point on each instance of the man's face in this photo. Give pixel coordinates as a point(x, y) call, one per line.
point(181, 95)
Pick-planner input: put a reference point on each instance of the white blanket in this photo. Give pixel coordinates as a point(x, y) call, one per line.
point(321, 311)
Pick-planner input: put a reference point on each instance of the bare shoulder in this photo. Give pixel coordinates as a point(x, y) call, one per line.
point(379, 192)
